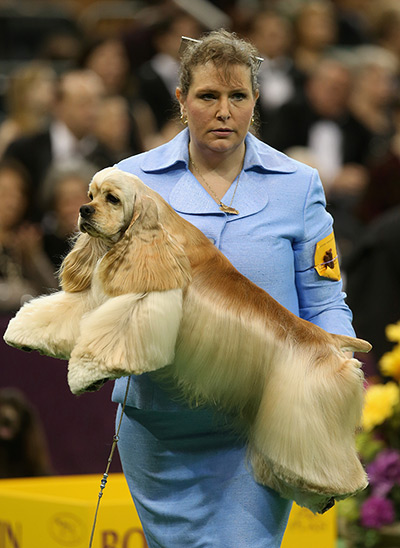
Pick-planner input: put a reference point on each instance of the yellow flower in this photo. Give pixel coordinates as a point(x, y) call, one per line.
point(390, 363)
point(380, 400)
point(393, 332)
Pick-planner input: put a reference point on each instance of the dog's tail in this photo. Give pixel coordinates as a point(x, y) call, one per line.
point(351, 344)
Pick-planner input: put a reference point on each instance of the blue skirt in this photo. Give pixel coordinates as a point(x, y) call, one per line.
point(191, 483)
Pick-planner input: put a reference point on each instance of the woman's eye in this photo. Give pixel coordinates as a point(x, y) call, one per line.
point(207, 96)
point(239, 96)
point(112, 199)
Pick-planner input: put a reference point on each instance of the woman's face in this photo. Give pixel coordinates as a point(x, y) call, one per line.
point(218, 112)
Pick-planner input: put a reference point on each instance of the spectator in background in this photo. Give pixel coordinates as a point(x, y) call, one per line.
point(64, 191)
point(23, 447)
point(29, 99)
point(158, 77)
point(383, 190)
point(353, 22)
point(373, 93)
point(373, 281)
point(271, 33)
point(25, 270)
point(314, 34)
point(108, 58)
point(387, 29)
point(321, 121)
point(114, 129)
point(70, 134)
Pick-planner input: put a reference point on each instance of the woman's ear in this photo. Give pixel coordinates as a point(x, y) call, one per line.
point(77, 268)
point(146, 259)
point(179, 96)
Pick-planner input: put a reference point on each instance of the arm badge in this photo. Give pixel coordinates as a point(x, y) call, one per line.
point(326, 261)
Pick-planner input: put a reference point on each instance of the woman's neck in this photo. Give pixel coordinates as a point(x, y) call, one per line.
point(216, 173)
point(224, 164)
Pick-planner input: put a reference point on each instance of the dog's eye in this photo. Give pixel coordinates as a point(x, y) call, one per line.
point(90, 196)
point(113, 199)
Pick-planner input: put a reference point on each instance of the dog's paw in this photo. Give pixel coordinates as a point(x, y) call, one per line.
point(48, 324)
point(23, 339)
point(85, 374)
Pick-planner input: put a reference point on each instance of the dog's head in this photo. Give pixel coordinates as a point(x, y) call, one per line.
point(122, 233)
point(112, 195)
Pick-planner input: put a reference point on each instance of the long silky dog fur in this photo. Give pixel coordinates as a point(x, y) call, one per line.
point(144, 290)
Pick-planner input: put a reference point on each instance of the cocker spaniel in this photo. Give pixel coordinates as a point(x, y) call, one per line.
point(144, 290)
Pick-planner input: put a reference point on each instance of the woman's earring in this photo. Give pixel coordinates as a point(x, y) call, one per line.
point(183, 119)
point(252, 120)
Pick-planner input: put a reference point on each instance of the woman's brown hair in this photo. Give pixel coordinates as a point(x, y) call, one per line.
point(224, 49)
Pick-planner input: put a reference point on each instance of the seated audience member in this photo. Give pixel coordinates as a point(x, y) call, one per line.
point(64, 191)
point(158, 77)
point(373, 281)
point(270, 32)
point(70, 134)
point(314, 33)
point(29, 99)
point(23, 448)
point(116, 130)
point(383, 190)
point(341, 202)
point(107, 57)
point(373, 92)
point(353, 22)
point(25, 270)
point(387, 28)
point(321, 121)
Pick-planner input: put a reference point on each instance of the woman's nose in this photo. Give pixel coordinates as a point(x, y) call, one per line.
point(223, 112)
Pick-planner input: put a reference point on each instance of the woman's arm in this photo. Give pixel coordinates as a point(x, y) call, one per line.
point(320, 291)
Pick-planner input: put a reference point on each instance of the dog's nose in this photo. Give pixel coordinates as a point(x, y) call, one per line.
point(86, 211)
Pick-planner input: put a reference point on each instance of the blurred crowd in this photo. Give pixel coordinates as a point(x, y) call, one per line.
point(84, 84)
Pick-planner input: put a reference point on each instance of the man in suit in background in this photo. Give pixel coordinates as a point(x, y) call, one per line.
point(70, 134)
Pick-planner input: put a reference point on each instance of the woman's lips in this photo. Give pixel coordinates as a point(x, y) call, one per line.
point(223, 132)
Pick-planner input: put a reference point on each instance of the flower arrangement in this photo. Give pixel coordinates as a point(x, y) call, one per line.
point(371, 519)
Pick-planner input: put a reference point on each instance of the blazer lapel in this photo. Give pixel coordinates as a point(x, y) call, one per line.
point(188, 196)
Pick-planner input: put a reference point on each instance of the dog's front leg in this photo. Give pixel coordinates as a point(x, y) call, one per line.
point(128, 334)
point(49, 324)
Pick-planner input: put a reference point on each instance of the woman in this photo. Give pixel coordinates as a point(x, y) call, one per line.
point(25, 270)
point(186, 469)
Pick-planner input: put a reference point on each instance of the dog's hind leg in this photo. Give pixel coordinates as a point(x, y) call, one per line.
point(302, 441)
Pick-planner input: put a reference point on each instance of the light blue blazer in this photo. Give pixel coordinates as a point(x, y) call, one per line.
point(272, 241)
point(187, 473)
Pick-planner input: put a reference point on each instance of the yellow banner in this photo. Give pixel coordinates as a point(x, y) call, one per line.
point(58, 512)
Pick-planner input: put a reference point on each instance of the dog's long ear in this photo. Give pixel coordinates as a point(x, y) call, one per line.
point(77, 268)
point(147, 258)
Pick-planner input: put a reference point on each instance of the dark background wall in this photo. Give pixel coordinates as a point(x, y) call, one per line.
point(79, 429)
